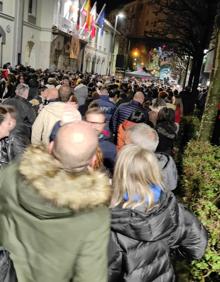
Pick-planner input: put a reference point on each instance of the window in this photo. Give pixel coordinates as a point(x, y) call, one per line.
point(32, 11)
point(1, 6)
point(32, 7)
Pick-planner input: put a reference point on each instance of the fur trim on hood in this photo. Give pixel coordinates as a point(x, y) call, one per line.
point(77, 192)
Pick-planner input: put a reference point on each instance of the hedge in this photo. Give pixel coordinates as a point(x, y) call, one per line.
point(201, 186)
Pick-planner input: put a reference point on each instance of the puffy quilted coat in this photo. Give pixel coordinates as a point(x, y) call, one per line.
point(141, 242)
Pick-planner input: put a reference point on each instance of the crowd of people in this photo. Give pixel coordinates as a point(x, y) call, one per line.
point(88, 178)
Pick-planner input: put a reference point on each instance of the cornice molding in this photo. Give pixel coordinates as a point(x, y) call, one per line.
point(7, 17)
point(25, 23)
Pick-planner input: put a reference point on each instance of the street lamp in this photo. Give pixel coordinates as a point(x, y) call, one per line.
point(118, 16)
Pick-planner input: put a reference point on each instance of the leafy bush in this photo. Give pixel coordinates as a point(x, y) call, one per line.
point(201, 185)
point(189, 129)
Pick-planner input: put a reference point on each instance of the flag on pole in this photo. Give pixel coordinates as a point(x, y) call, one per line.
point(78, 24)
point(93, 14)
point(101, 19)
point(87, 10)
point(85, 16)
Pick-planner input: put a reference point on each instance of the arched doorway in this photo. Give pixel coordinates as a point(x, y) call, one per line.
point(88, 63)
point(93, 64)
point(97, 65)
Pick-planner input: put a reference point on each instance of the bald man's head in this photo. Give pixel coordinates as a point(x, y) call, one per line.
point(139, 97)
point(52, 94)
point(75, 145)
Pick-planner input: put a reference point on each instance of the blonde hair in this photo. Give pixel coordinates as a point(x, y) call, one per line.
point(135, 170)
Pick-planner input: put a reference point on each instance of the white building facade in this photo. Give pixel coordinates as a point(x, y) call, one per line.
point(36, 33)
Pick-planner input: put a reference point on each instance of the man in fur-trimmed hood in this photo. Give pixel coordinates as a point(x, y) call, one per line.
point(54, 219)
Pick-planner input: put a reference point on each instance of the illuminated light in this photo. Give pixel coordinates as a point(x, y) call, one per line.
point(208, 83)
point(135, 53)
point(121, 15)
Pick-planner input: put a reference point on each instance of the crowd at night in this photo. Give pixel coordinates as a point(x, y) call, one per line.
point(109, 141)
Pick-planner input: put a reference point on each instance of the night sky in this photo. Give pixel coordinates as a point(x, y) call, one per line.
point(111, 4)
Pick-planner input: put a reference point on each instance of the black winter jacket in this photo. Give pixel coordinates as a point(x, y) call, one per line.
point(141, 242)
point(12, 147)
point(167, 134)
point(25, 114)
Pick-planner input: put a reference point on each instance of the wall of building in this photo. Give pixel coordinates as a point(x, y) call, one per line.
point(36, 33)
point(98, 53)
point(7, 25)
point(39, 47)
point(37, 37)
point(140, 17)
point(7, 49)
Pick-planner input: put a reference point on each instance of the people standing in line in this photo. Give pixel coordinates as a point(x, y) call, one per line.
point(124, 111)
point(81, 94)
point(104, 103)
point(189, 100)
point(50, 114)
point(26, 115)
point(167, 130)
point(148, 223)
point(147, 138)
point(156, 106)
point(7, 124)
point(54, 216)
point(97, 119)
point(177, 101)
point(135, 117)
point(13, 142)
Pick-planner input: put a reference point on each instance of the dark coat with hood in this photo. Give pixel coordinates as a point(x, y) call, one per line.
point(54, 224)
point(13, 146)
point(167, 133)
point(25, 114)
point(141, 242)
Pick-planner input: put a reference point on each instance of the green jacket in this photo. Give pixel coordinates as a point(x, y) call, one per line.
point(55, 225)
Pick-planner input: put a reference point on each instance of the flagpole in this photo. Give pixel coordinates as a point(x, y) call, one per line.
point(82, 29)
point(100, 12)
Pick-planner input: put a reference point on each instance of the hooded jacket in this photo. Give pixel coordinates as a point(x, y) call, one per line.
point(168, 170)
point(141, 242)
point(106, 106)
point(55, 225)
point(25, 114)
point(13, 146)
point(167, 133)
point(46, 120)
